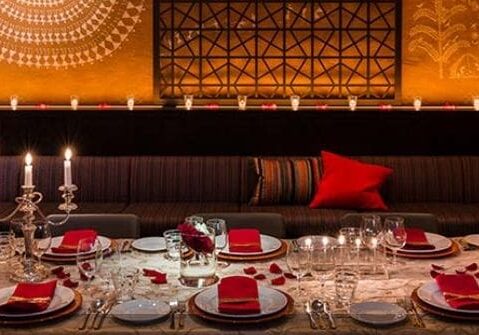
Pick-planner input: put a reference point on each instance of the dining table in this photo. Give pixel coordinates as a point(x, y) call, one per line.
point(403, 279)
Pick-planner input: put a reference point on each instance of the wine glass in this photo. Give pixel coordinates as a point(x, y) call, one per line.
point(221, 231)
point(298, 259)
point(322, 260)
point(42, 240)
point(394, 235)
point(7, 246)
point(371, 228)
point(89, 258)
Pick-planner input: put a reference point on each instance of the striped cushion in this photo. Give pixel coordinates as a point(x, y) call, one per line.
point(284, 181)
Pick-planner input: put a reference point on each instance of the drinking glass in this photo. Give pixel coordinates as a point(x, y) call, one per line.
point(351, 234)
point(345, 283)
point(42, 240)
point(221, 231)
point(173, 244)
point(7, 246)
point(89, 258)
point(298, 260)
point(371, 228)
point(394, 235)
point(194, 219)
point(124, 282)
point(322, 261)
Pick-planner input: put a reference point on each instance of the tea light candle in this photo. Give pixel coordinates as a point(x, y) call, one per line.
point(14, 102)
point(242, 101)
point(28, 182)
point(295, 99)
point(67, 168)
point(325, 241)
point(417, 104)
point(476, 104)
point(74, 102)
point(341, 239)
point(353, 102)
point(188, 101)
point(358, 243)
point(130, 103)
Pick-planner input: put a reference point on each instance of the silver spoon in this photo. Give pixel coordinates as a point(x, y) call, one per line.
point(319, 306)
point(94, 307)
point(99, 303)
point(318, 309)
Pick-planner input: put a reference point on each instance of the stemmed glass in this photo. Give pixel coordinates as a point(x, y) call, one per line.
point(7, 246)
point(322, 260)
point(371, 228)
point(42, 240)
point(89, 258)
point(298, 259)
point(221, 231)
point(394, 235)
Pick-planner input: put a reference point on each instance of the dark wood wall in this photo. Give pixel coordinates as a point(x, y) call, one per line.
point(206, 132)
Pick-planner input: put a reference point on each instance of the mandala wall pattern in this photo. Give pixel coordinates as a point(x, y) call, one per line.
point(64, 33)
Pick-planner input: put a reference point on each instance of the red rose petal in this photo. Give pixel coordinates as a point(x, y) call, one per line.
point(289, 275)
point(250, 271)
point(278, 281)
point(476, 275)
point(63, 275)
point(434, 274)
point(472, 267)
point(260, 277)
point(151, 273)
point(461, 271)
point(160, 279)
point(274, 268)
point(437, 267)
point(57, 270)
point(86, 266)
point(69, 283)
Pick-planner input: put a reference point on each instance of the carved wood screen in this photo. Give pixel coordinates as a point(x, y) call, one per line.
point(273, 49)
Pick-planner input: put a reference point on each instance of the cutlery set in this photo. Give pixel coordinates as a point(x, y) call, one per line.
point(177, 307)
point(99, 309)
point(413, 312)
point(317, 311)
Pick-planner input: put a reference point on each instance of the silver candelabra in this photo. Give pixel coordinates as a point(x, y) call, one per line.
point(29, 211)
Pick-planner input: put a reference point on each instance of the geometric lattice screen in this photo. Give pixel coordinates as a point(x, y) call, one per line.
point(273, 49)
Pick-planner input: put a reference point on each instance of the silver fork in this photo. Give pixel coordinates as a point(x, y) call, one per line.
point(410, 312)
point(181, 317)
point(174, 309)
point(416, 312)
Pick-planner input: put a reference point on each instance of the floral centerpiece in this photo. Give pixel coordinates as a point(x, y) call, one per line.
point(198, 259)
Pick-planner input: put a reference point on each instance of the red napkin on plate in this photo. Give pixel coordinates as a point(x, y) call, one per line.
point(238, 295)
point(71, 239)
point(416, 240)
point(244, 240)
point(30, 298)
point(460, 291)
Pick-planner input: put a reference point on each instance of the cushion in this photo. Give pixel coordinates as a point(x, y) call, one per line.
point(284, 181)
point(347, 183)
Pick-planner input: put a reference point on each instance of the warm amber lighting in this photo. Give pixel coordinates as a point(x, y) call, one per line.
point(353, 102)
point(14, 102)
point(417, 104)
point(74, 102)
point(28, 159)
point(130, 103)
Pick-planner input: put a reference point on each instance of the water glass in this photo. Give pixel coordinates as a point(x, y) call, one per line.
point(125, 281)
point(7, 246)
point(89, 258)
point(221, 231)
point(351, 235)
point(345, 283)
point(298, 260)
point(371, 228)
point(173, 244)
point(322, 261)
point(42, 239)
point(394, 235)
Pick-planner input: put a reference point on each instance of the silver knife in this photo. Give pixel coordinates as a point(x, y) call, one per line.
point(312, 321)
point(327, 311)
point(104, 314)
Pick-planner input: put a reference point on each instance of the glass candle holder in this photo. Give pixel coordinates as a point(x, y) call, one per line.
point(353, 102)
point(242, 102)
point(188, 101)
point(14, 102)
point(74, 102)
point(417, 104)
point(476, 103)
point(295, 100)
point(130, 103)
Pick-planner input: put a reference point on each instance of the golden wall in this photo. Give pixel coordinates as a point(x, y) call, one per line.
point(102, 51)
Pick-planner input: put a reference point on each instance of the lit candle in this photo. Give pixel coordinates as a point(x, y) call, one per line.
point(325, 241)
point(188, 101)
point(358, 243)
point(130, 103)
point(476, 104)
point(74, 102)
point(28, 182)
point(341, 239)
point(242, 101)
point(417, 104)
point(353, 102)
point(14, 102)
point(67, 168)
point(295, 99)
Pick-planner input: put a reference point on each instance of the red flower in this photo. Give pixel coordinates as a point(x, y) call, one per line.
point(195, 239)
point(151, 273)
point(274, 268)
point(159, 279)
point(278, 281)
point(250, 271)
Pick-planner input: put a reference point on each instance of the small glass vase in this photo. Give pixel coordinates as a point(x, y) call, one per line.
point(198, 260)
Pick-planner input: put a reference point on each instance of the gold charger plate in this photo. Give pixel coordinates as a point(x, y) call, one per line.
point(57, 315)
point(457, 316)
point(286, 311)
point(452, 251)
point(256, 258)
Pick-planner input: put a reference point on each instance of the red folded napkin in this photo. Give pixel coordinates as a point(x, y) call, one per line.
point(416, 240)
point(244, 240)
point(71, 239)
point(238, 295)
point(30, 298)
point(460, 291)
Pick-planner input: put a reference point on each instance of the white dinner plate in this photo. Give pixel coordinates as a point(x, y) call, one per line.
point(56, 241)
point(318, 239)
point(439, 242)
point(377, 313)
point(62, 298)
point(141, 311)
point(472, 240)
point(268, 244)
point(432, 295)
point(271, 302)
point(150, 244)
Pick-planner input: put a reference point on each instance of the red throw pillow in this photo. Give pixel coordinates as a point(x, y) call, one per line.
point(347, 183)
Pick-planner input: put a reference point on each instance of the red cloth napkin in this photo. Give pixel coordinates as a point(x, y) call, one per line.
point(244, 240)
point(238, 295)
point(461, 291)
point(416, 240)
point(71, 239)
point(30, 298)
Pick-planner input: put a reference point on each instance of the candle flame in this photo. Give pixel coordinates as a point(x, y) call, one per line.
point(28, 159)
point(68, 154)
point(341, 239)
